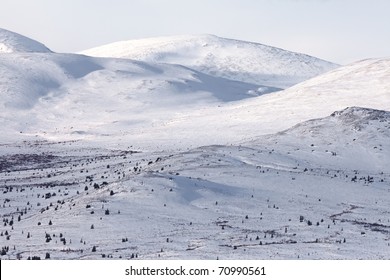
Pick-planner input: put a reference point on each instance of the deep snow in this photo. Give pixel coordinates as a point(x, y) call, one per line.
point(232, 59)
point(154, 160)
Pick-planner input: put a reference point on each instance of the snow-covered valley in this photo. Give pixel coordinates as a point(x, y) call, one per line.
point(121, 158)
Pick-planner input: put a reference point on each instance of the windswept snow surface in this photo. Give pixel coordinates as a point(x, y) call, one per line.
point(282, 196)
point(120, 158)
point(11, 42)
point(361, 84)
point(227, 58)
point(162, 106)
point(69, 94)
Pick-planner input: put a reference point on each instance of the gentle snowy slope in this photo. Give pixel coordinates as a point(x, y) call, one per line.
point(120, 158)
point(232, 59)
point(368, 79)
point(354, 137)
point(75, 93)
point(362, 84)
point(160, 105)
point(284, 196)
point(11, 42)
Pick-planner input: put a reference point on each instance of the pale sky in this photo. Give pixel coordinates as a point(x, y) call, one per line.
point(341, 31)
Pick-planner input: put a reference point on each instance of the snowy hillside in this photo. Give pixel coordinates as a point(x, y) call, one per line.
point(367, 79)
point(362, 84)
point(167, 106)
point(120, 158)
point(232, 59)
point(71, 93)
point(283, 196)
point(355, 137)
point(11, 42)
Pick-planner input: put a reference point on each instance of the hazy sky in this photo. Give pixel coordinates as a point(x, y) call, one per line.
point(337, 30)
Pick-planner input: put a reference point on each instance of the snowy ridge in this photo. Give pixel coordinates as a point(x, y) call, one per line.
point(350, 118)
point(228, 58)
point(59, 99)
point(122, 159)
point(356, 137)
point(368, 87)
point(357, 115)
point(356, 76)
point(11, 42)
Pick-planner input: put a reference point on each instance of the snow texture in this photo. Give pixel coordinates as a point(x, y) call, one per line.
point(227, 58)
point(120, 158)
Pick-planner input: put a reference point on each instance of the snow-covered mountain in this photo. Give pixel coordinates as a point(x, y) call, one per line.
point(11, 42)
point(361, 84)
point(71, 93)
point(228, 58)
point(54, 95)
point(68, 95)
point(121, 158)
point(42, 90)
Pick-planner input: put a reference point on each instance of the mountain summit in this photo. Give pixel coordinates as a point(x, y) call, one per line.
point(11, 42)
point(233, 59)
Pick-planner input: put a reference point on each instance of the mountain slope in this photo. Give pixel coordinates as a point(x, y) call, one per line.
point(40, 91)
point(66, 96)
point(123, 159)
point(232, 59)
point(371, 75)
point(157, 105)
point(354, 137)
point(361, 84)
point(293, 195)
point(11, 42)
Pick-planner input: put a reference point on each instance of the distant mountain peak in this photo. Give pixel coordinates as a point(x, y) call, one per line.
point(227, 58)
point(11, 42)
